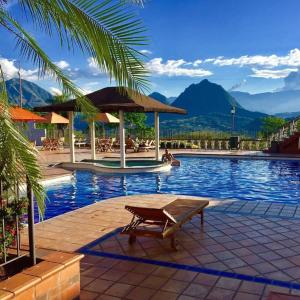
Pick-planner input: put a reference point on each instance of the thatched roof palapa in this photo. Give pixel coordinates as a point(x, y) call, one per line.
point(113, 99)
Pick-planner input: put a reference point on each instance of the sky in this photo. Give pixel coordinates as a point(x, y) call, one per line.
point(250, 46)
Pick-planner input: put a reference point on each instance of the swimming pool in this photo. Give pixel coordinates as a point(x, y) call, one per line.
point(264, 180)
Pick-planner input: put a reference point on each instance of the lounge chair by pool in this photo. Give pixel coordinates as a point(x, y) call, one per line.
point(163, 222)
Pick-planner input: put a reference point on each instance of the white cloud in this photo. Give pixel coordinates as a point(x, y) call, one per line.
point(175, 68)
point(271, 74)
point(10, 70)
point(197, 62)
point(93, 66)
point(62, 64)
point(145, 51)
point(55, 91)
point(292, 59)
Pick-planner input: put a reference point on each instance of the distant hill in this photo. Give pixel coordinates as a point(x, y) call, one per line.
point(172, 99)
point(209, 106)
point(162, 98)
point(32, 94)
point(271, 103)
point(288, 115)
point(205, 97)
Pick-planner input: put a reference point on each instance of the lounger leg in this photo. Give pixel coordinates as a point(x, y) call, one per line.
point(173, 243)
point(132, 239)
point(202, 216)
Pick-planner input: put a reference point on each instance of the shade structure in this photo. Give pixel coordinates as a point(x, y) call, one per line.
point(54, 118)
point(112, 99)
point(115, 99)
point(19, 114)
point(106, 118)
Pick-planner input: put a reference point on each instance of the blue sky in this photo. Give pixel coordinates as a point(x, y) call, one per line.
point(252, 45)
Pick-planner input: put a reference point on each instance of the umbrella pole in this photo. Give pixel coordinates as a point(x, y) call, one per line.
point(71, 137)
point(122, 139)
point(93, 140)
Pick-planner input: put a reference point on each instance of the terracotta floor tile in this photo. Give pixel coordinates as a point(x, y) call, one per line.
point(220, 294)
point(197, 290)
point(164, 272)
point(94, 272)
point(252, 287)
point(278, 289)
point(208, 258)
point(264, 268)
point(279, 275)
point(119, 290)
point(282, 263)
point(186, 297)
point(86, 295)
point(133, 278)
point(113, 275)
point(99, 285)
point(234, 263)
point(293, 272)
point(153, 282)
point(162, 295)
point(184, 275)
point(108, 297)
point(245, 296)
point(175, 286)
point(84, 280)
point(228, 283)
point(206, 279)
point(144, 268)
point(141, 293)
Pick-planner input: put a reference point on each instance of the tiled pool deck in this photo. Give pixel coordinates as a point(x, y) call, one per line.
point(244, 250)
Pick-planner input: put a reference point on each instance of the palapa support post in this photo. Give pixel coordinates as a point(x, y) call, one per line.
point(156, 123)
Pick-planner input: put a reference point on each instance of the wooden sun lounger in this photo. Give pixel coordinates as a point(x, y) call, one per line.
point(163, 222)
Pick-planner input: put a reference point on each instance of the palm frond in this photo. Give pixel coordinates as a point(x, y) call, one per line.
point(107, 30)
point(18, 159)
point(31, 51)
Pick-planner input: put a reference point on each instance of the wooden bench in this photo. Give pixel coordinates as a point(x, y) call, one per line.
point(163, 222)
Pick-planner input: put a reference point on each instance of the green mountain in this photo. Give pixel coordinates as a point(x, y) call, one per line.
point(209, 108)
point(270, 102)
point(32, 94)
point(160, 97)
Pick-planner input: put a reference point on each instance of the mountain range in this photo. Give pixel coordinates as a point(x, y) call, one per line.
point(32, 94)
point(271, 102)
point(209, 107)
point(162, 98)
point(208, 104)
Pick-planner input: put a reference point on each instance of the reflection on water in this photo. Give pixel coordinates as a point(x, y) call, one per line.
point(220, 178)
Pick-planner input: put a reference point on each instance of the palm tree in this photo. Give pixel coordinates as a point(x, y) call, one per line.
point(106, 30)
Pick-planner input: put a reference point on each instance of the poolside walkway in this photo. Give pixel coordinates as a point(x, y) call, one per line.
point(238, 254)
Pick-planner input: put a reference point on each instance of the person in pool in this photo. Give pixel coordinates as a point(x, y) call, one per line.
point(169, 157)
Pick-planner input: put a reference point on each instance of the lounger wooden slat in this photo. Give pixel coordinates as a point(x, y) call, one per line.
point(162, 222)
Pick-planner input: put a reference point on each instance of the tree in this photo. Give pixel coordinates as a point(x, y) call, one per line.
point(105, 30)
point(271, 125)
point(136, 120)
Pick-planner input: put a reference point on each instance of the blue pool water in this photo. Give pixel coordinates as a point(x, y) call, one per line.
point(219, 178)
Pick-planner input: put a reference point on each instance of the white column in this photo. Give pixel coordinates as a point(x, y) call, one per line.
point(156, 125)
point(122, 139)
point(93, 140)
point(71, 136)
